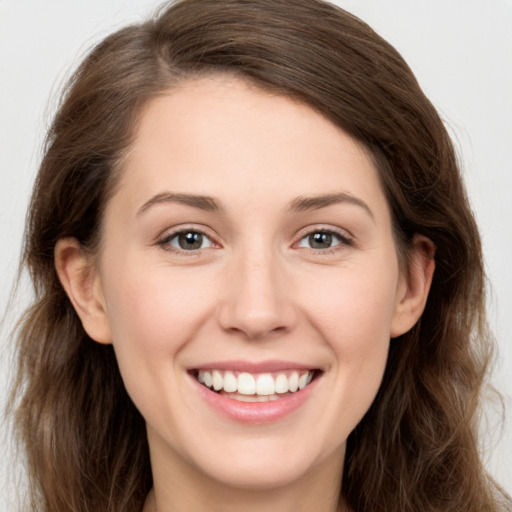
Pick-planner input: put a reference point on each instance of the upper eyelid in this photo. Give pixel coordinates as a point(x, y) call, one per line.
point(170, 233)
point(164, 242)
point(346, 241)
point(174, 234)
point(322, 228)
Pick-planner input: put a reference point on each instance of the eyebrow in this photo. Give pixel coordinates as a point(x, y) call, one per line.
point(206, 203)
point(304, 203)
point(300, 204)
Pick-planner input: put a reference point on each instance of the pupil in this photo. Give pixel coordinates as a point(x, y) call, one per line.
point(320, 240)
point(190, 240)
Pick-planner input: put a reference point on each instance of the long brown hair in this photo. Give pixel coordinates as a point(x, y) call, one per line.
point(416, 448)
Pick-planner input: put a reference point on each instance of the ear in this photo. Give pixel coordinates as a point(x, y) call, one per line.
point(81, 281)
point(414, 286)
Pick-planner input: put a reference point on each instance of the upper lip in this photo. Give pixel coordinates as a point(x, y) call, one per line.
point(254, 367)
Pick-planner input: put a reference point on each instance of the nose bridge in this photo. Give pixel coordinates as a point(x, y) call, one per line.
point(257, 301)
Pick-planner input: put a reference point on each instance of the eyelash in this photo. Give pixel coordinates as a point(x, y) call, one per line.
point(165, 242)
point(343, 241)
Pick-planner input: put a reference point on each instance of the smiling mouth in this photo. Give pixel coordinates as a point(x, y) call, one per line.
point(255, 387)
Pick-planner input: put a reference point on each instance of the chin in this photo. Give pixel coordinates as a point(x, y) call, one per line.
point(248, 476)
point(267, 465)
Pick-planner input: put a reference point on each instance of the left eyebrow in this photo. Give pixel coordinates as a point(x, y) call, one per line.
point(304, 203)
point(206, 203)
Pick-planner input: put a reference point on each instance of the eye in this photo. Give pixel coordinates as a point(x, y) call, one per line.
point(188, 240)
point(322, 240)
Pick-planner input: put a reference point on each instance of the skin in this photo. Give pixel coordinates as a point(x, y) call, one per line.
point(257, 290)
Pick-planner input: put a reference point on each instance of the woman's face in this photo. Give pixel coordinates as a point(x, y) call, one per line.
point(249, 246)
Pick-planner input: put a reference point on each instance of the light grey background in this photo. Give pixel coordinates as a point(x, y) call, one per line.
point(460, 50)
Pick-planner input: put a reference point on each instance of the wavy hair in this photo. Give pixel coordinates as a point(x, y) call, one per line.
point(416, 448)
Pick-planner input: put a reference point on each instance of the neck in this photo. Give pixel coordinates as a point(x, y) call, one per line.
point(244, 501)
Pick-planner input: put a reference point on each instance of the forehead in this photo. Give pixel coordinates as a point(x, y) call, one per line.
point(221, 136)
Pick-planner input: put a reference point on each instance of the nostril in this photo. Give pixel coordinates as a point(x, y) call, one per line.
point(257, 302)
point(256, 325)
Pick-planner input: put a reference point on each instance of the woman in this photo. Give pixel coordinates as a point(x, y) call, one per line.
point(259, 283)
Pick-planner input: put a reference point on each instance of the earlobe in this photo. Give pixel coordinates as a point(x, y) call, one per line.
point(79, 278)
point(415, 288)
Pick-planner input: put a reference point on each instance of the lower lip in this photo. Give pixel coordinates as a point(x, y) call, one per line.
point(256, 412)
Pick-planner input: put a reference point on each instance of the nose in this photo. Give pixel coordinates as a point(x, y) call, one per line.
point(257, 302)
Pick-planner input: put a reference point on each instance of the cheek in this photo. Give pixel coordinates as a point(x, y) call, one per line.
point(153, 310)
point(141, 313)
point(355, 321)
point(153, 315)
point(354, 308)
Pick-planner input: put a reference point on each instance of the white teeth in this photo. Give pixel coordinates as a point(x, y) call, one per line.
point(230, 382)
point(259, 387)
point(265, 384)
point(293, 382)
point(282, 383)
point(246, 384)
point(207, 379)
point(217, 380)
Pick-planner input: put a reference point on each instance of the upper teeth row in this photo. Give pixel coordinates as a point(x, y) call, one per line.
point(249, 384)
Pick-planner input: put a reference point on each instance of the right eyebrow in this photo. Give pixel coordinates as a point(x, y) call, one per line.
point(316, 202)
point(206, 203)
